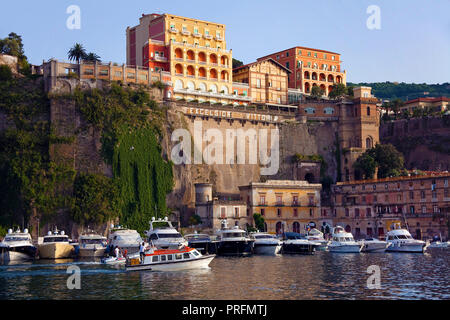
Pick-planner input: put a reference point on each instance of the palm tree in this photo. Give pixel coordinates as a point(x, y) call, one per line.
point(77, 52)
point(91, 57)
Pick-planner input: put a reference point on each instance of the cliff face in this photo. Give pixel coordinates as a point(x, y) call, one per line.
point(424, 142)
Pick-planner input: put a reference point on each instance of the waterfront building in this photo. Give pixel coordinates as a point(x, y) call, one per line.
point(267, 81)
point(213, 210)
point(438, 104)
point(286, 205)
point(310, 67)
point(193, 51)
point(369, 207)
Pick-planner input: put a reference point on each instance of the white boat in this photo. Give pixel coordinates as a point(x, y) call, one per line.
point(343, 241)
point(125, 239)
point(163, 235)
point(373, 245)
point(316, 237)
point(438, 244)
point(266, 243)
point(114, 260)
point(92, 245)
point(297, 243)
point(233, 241)
point(400, 240)
point(55, 246)
point(202, 242)
point(170, 260)
point(17, 246)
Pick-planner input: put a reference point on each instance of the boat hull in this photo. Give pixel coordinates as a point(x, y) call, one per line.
point(345, 249)
point(92, 252)
point(55, 250)
point(229, 248)
point(374, 247)
point(267, 249)
point(199, 263)
point(417, 248)
point(293, 248)
point(18, 253)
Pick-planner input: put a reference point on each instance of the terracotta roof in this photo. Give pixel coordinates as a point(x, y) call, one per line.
point(297, 47)
point(428, 99)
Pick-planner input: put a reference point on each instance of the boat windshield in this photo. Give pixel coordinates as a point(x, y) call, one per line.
point(16, 239)
point(91, 241)
point(232, 235)
point(402, 236)
point(56, 239)
point(265, 236)
point(169, 235)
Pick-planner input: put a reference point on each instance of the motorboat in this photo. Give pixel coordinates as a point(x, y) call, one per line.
point(437, 243)
point(55, 246)
point(316, 237)
point(17, 246)
point(125, 239)
point(233, 241)
point(400, 240)
point(343, 241)
point(92, 245)
point(114, 260)
point(373, 245)
point(297, 243)
point(170, 260)
point(266, 243)
point(202, 242)
point(163, 235)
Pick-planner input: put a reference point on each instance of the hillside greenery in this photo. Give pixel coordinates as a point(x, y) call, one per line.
point(405, 91)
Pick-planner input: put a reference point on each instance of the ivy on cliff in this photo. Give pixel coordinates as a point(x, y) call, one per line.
point(131, 124)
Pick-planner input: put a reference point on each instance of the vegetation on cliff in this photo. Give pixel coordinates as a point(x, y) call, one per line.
point(131, 125)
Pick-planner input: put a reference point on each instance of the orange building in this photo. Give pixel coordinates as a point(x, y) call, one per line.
point(310, 67)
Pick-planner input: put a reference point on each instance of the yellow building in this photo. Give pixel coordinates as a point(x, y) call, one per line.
point(193, 51)
point(286, 205)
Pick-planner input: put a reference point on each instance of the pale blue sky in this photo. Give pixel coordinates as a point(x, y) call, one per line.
point(413, 44)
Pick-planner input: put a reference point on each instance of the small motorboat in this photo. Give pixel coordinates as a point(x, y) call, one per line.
point(56, 245)
point(373, 245)
point(17, 246)
point(437, 243)
point(296, 243)
point(266, 243)
point(316, 237)
point(92, 245)
point(125, 239)
point(343, 242)
point(114, 260)
point(233, 241)
point(163, 235)
point(170, 260)
point(400, 240)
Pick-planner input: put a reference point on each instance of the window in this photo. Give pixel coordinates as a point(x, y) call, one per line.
point(186, 255)
point(422, 194)
point(195, 30)
point(295, 212)
point(445, 193)
point(258, 83)
point(163, 258)
point(424, 209)
point(287, 54)
point(347, 212)
point(262, 212)
point(315, 55)
point(155, 258)
point(357, 212)
point(412, 209)
point(130, 75)
point(446, 183)
point(411, 195)
point(324, 55)
point(278, 57)
point(169, 257)
point(104, 72)
point(279, 212)
point(368, 111)
point(236, 212)
point(295, 200)
point(178, 256)
point(369, 212)
point(88, 71)
point(434, 194)
point(309, 54)
point(118, 73)
point(262, 200)
point(311, 212)
point(279, 200)
point(332, 58)
point(287, 65)
point(223, 212)
point(436, 209)
point(235, 92)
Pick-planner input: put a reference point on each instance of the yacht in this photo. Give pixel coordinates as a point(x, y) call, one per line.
point(400, 240)
point(233, 241)
point(55, 246)
point(343, 241)
point(92, 245)
point(373, 245)
point(17, 246)
point(316, 237)
point(294, 242)
point(125, 239)
point(169, 260)
point(163, 235)
point(266, 243)
point(202, 242)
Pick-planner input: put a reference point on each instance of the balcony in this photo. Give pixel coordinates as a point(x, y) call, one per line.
point(197, 35)
point(160, 58)
point(279, 204)
point(186, 33)
point(173, 30)
point(208, 36)
point(219, 38)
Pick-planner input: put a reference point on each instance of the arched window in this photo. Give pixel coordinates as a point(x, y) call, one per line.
point(369, 143)
point(279, 227)
point(296, 227)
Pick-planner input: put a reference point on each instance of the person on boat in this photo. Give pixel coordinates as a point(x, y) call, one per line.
point(117, 252)
point(142, 251)
point(125, 252)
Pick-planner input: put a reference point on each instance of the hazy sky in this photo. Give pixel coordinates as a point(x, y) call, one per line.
point(413, 44)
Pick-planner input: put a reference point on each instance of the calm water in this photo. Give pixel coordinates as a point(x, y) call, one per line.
point(321, 276)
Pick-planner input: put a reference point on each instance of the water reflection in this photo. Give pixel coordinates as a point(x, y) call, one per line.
point(321, 276)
